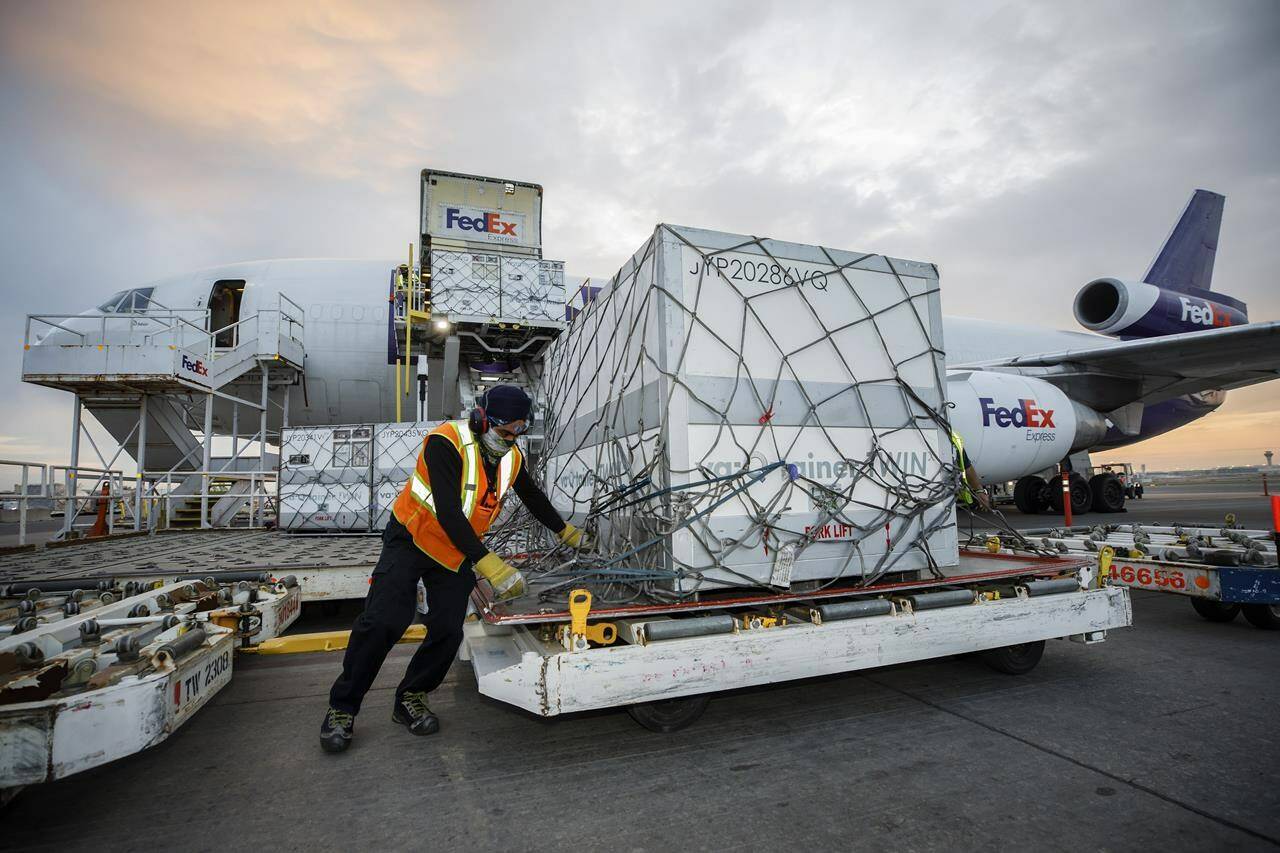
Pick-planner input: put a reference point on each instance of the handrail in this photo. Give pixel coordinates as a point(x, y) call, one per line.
point(25, 497)
point(26, 467)
point(40, 319)
point(261, 496)
point(172, 323)
point(218, 474)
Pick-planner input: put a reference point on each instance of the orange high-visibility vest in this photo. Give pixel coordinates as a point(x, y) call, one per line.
point(416, 509)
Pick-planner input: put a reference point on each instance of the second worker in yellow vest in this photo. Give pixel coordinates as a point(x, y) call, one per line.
point(463, 473)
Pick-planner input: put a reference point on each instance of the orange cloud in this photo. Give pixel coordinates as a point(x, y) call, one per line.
point(284, 75)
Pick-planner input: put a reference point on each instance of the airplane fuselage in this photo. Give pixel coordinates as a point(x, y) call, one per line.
point(349, 376)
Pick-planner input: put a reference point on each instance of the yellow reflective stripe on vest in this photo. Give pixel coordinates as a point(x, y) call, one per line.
point(470, 467)
point(964, 494)
point(421, 492)
point(504, 472)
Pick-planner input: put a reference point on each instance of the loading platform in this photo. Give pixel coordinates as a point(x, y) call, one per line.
point(327, 567)
point(155, 378)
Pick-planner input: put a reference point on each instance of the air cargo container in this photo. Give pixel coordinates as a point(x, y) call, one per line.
point(344, 479)
point(795, 387)
point(472, 213)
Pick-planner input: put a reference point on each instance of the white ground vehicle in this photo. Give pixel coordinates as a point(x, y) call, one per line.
point(663, 664)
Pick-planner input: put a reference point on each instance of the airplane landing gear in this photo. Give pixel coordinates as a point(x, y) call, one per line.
point(1108, 493)
point(1030, 495)
point(1081, 495)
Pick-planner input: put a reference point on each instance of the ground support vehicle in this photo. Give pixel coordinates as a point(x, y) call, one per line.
point(1224, 571)
point(88, 675)
point(1218, 593)
point(663, 663)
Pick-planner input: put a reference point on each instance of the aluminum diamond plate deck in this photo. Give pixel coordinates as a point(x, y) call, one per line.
point(194, 552)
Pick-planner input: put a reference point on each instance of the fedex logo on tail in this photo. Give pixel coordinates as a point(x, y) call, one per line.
point(1026, 414)
point(1203, 313)
point(491, 225)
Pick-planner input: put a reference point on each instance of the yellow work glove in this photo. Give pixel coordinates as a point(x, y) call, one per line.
point(506, 580)
point(575, 537)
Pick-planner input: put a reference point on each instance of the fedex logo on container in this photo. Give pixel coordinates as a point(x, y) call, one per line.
point(1026, 414)
point(194, 365)
point(492, 223)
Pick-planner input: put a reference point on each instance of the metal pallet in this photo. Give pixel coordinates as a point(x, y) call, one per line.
point(664, 676)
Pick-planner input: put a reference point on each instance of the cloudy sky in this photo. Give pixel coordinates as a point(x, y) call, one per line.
point(1025, 148)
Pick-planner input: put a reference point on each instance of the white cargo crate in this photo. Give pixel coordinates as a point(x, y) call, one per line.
point(345, 479)
point(396, 448)
point(324, 478)
point(478, 287)
point(465, 284)
point(476, 212)
point(712, 358)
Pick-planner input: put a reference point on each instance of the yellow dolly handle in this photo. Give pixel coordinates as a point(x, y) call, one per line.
point(603, 633)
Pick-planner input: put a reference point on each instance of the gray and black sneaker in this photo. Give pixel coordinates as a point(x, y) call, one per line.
point(336, 730)
point(411, 710)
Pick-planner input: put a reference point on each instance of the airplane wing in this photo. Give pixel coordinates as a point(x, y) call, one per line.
point(1151, 370)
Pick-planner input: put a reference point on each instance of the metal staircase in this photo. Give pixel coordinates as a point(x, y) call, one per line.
point(163, 385)
point(233, 507)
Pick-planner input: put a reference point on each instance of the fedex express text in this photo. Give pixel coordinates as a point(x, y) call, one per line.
point(1028, 415)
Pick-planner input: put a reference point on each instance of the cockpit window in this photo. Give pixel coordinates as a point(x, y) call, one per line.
point(141, 300)
point(110, 305)
point(128, 301)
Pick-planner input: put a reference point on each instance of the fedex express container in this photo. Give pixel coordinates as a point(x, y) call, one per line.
point(713, 354)
point(472, 213)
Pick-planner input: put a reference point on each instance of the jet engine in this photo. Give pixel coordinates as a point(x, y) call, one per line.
point(1140, 310)
point(1015, 425)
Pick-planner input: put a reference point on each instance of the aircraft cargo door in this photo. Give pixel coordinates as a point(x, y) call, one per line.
point(224, 311)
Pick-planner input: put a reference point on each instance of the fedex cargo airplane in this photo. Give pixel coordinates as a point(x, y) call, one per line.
point(1160, 352)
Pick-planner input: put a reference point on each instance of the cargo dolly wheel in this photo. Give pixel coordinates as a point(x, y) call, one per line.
point(1215, 611)
point(1015, 660)
point(1265, 616)
point(669, 715)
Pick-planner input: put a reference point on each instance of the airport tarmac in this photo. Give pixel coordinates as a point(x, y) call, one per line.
point(1163, 735)
point(1174, 502)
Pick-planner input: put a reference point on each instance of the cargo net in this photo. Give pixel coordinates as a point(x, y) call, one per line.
point(345, 479)
point(643, 347)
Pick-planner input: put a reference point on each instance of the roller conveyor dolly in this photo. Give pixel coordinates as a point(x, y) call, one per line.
point(1223, 570)
point(1217, 592)
point(114, 678)
point(258, 606)
point(663, 662)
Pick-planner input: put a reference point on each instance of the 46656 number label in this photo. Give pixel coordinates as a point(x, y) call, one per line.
point(1150, 576)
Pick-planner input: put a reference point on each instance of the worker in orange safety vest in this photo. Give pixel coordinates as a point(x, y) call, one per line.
point(464, 471)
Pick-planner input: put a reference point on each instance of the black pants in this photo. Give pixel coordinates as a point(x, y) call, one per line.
point(389, 609)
